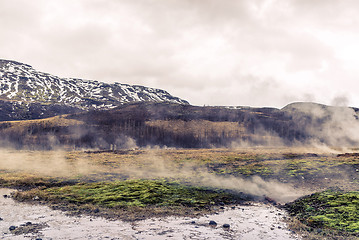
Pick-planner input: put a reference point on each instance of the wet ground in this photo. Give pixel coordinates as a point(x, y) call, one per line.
point(255, 221)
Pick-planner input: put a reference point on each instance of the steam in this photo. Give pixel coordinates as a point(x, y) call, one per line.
point(45, 163)
point(332, 129)
point(150, 165)
point(261, 137)
point(74, 138)
point(153, 166)
point(254, 186)
point(331, 126)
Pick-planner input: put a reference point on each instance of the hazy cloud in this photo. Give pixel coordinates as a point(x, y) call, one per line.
point(245, 52)
point(340, 101)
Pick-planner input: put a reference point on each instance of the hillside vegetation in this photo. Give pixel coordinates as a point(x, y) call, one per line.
point(150, 124)
point(178, 125)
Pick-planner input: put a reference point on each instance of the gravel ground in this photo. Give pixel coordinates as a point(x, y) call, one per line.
point(256, 221)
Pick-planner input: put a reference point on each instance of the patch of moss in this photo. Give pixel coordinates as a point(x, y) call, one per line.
point(255, 169)
point(129, 193)
point(331, 209)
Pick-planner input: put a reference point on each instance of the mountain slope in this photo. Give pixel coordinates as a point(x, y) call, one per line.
point(180, 125)
point(20, 82)
point(152, 124)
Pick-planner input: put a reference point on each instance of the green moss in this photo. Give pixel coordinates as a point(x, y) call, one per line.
point(287, 165)
point(329, 209)
point(255, 169)
point(140, 193)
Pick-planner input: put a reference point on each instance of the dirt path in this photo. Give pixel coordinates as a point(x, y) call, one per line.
point(40, 222)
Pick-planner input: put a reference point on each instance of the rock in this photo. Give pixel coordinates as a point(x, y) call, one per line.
point(1, 219)
point(270, 200)
point(221, 208)
point(12, 228)
point(193, 222)
point(233, 207)
point(212, 223)
point(96, 210)
point(35, 198)
point(27, 228)
point(38, 238)
point(226, 226)
point(5, 196)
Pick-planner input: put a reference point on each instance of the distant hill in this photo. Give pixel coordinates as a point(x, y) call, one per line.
point(179, 125)
point(26, 93)
point(330, 125)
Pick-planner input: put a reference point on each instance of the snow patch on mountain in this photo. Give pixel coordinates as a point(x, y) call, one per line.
point(20, 82)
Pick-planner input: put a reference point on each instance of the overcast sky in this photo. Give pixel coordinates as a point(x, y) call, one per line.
point(209, 52)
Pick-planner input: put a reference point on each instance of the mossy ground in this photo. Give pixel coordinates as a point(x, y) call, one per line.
point(139, 193)
point(329, 209)
point(132, 199)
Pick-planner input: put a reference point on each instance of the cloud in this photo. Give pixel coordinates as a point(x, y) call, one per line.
point(194, 49)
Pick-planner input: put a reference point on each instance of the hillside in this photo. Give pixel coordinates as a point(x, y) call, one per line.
point(330, 125)
point(26, 93)
point(179, 125)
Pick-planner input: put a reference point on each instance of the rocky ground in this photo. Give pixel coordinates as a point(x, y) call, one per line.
point(253, 221)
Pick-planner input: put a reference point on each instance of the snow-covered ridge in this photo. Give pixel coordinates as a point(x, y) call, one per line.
point(20, 82)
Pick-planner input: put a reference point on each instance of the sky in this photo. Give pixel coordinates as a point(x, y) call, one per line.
point(209, 52)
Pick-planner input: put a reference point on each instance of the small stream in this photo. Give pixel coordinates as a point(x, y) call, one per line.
point(257, 221)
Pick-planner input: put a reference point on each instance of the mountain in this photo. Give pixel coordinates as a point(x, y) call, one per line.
point(39, 94)
point(91, 114)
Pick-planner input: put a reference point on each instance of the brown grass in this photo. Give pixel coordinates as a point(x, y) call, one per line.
point(200, 128)
point(57, 121)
